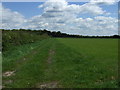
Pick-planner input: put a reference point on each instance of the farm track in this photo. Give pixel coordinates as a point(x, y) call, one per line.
point(48, 71)
point(50, 47)
point(22, 61)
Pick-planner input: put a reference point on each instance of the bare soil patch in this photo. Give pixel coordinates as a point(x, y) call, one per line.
point(48, 85)
point(8, 73)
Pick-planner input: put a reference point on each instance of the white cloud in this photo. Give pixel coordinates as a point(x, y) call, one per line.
point(11, 19)
point(54, 4)
point(60, 16)
point(92, 9)
point(119, 12)
point(0, 14)
point(99, 25)
point(62, 6)
point(103, 2)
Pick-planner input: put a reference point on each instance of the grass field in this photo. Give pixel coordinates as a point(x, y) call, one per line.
point(62, 62)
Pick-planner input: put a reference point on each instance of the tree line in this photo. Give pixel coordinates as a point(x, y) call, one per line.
point(58, 34)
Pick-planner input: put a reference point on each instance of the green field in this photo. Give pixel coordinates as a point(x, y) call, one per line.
point(62, 62)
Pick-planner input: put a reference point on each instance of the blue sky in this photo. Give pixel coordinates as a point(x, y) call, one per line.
point(83, 18)
point(26, 8)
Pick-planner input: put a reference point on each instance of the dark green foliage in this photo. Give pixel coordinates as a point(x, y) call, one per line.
point(20, 37)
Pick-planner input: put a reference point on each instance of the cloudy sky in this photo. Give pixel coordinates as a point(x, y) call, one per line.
point(97, 17)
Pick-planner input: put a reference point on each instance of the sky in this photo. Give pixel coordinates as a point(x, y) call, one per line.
point(97, 17)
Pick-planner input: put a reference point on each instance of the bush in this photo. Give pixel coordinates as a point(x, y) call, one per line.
point(18, 37)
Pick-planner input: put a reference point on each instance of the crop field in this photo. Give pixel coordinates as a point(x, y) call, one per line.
point(62, 63)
